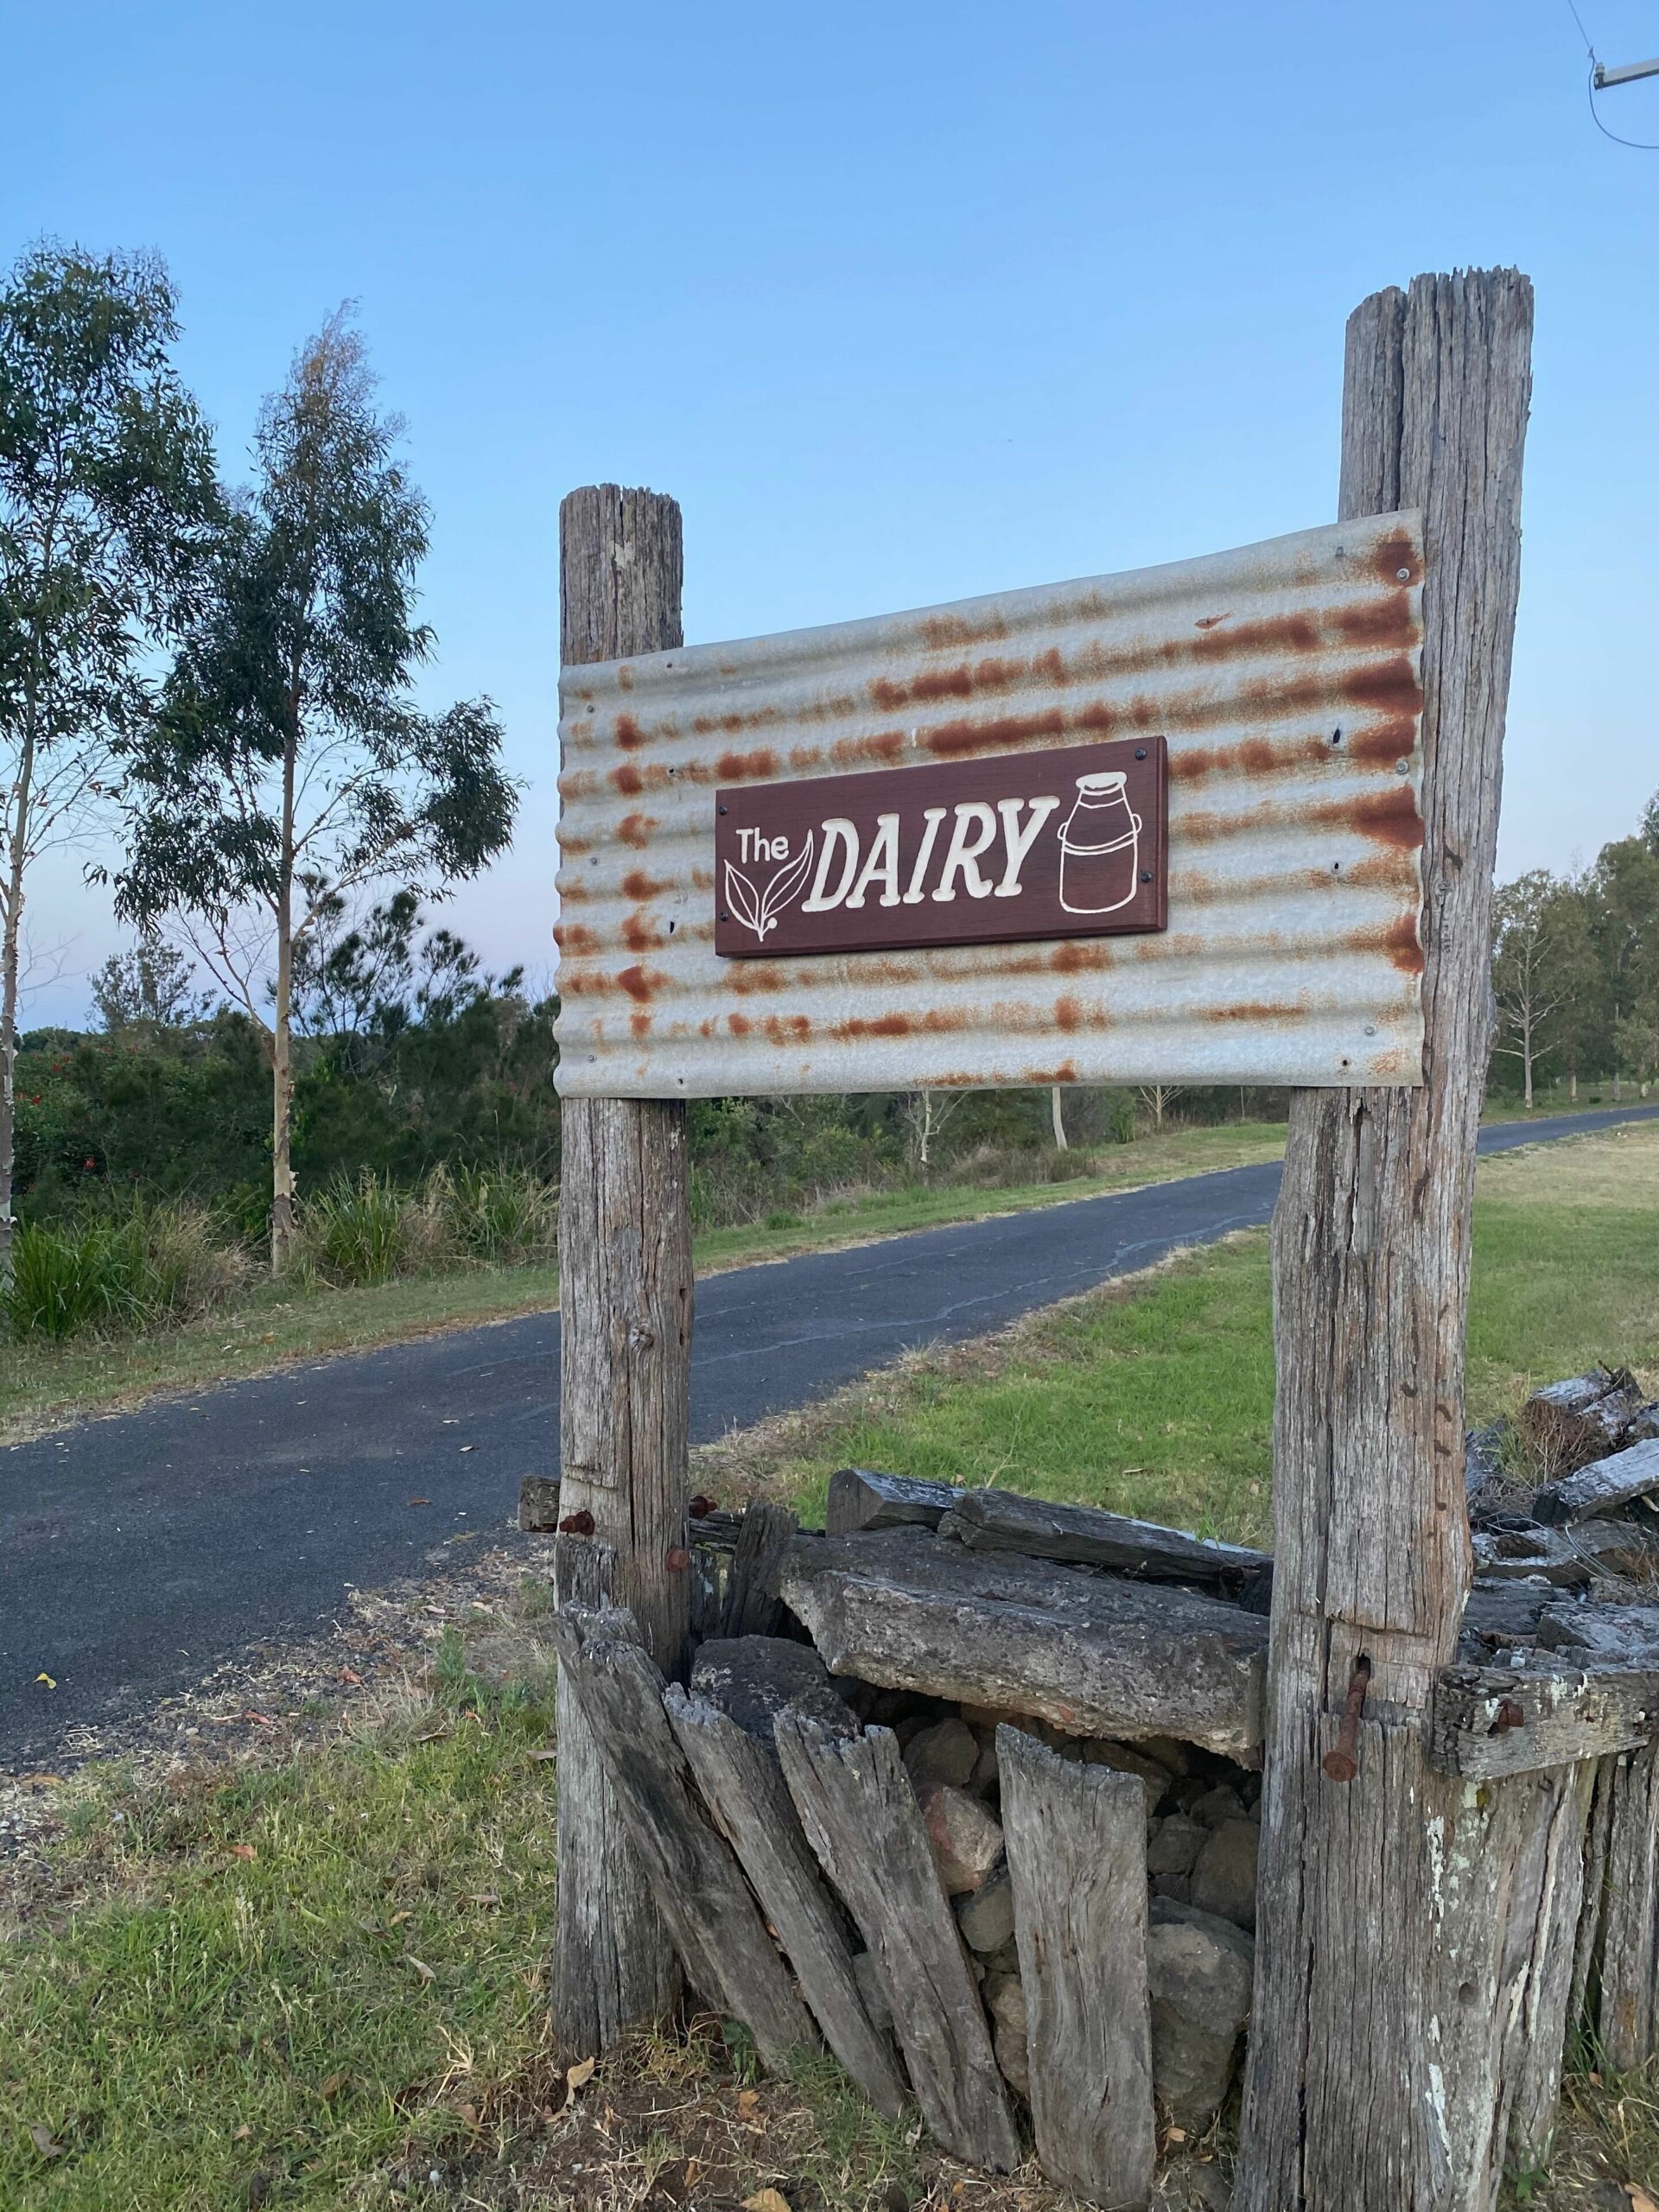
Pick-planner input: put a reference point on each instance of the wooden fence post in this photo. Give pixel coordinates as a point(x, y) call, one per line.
point(1369, 2071)
point(625, 1303)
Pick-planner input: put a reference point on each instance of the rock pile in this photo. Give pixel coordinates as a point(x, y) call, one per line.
point(1202, 1835)
point(1570, 1564)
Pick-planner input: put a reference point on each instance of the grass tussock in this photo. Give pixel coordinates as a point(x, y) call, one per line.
point(150, 1267)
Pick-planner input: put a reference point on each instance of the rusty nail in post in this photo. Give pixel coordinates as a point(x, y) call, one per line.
point(1343, 1764)
point(678, 1560)
point(701, 1506)
point(577, 1524)
point(1510, 1715)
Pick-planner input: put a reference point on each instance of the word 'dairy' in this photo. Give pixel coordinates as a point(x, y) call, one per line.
point(1067, 842)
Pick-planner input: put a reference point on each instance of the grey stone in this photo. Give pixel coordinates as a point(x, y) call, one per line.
point(985, 1915)
point(1177, 1887)
point(1223, 1874)
point(1217, 1805)
point(1127, 1759)
point(1005, 2000)
point(1175, 1844)
point(1201, 1970)
point(753, 1678)
point(1005, 1996)
point(986, 1777)
point(948, 1751)
point(1011, 2058)
point(1169, 1751)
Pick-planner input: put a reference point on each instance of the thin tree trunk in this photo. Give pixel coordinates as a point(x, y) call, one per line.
point(1371, 2084)
point(282, 1171)
point(626, 1300)
point(10, 987)
point(1525, 1063)
point(1058, 1113)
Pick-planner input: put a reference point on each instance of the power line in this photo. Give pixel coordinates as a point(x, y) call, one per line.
point(1594, 82)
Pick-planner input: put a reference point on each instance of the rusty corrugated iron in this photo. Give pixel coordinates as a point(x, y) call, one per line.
point(1286, 677)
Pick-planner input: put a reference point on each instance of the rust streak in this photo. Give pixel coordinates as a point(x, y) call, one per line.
point(636, 884)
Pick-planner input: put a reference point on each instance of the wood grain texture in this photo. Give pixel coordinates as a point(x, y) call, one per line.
point(1602, 1487)
point(743, 1787)
point(1002, 1521)
point(1550, 1879)
point(612, 1961)
point(860, 1815)
point(1629, 2016)
point(1586, 1944)
point(1488, 1721)
point(862, 1498)
point(1077, 1846)
point(752, 1606)
point(1345, 2101)
point(1092, 1654)
point(626, 1300)
point(696, 1881)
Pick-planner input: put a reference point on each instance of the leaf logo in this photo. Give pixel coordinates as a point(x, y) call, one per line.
point(759, 911)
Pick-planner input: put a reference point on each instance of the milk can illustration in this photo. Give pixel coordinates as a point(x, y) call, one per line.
point(1100, 847)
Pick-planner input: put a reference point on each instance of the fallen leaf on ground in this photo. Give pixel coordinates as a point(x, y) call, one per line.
point(422, 1968)
point(242, 2135)
point(398, 1918)
point(45, 2141)
point(579, 2075)
point(766, 2200)
point(420, 1501)
point(259, 1719)
point(482, 1897)
point(748, 2100)
point(332, 2088)
point(243, 1850)
point(47, 1680)
point(549, 1753)
point(40, 1781)
point(351, 1674)
point(1640, 2201)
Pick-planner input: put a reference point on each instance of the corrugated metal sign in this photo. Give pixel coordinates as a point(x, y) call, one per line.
point(1285, 681)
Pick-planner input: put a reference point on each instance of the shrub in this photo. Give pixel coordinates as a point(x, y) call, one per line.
point(141, 1269)
point(495, 1213)
point(361, 1232)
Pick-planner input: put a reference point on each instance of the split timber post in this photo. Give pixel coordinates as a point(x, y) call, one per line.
point(1377, 2058)
point(625, 1302)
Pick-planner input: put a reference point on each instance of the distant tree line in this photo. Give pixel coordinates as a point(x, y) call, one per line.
point(1575, 972)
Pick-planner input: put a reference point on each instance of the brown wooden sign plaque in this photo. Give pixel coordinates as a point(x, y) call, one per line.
point(1068, 842)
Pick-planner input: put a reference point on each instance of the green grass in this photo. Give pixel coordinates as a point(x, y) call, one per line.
point(300, 1974)
point(1156, 1399)
point(41, 1383)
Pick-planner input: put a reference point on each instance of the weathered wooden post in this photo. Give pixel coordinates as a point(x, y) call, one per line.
point(1375, 2059)
point(625, 1301)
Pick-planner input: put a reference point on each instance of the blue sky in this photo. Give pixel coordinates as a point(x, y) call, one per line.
point(903, 303)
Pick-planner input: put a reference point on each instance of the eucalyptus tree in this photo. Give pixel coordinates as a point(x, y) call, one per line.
point(108, 503)
point(289, 769)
